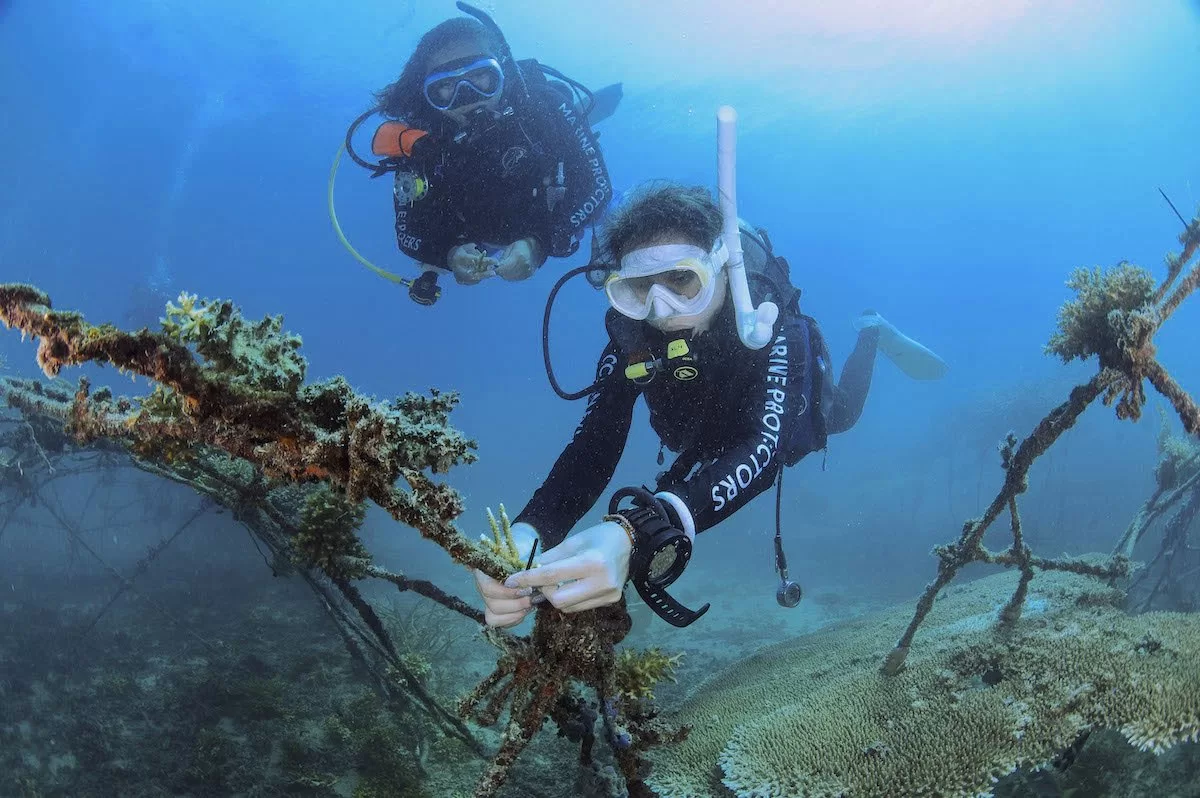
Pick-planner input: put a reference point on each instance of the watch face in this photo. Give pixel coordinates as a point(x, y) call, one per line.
point(662, 561)
point(668, 560)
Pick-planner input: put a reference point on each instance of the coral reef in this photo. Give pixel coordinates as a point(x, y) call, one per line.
point(326, 538)
point(236, 387)
point(1112, 312)
point(231, 416)
point(318, 431)
point(639, 671)
point(153, 714)
point(813, 717)
point(256, 356)
point(1114, 316)
point(1163, 582)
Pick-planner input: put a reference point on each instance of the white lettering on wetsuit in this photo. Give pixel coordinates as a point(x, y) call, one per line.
point(406, 241)
point(774, 405)
point(601, 190)
point(608, 364)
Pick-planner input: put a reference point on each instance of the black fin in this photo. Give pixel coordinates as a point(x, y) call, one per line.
point(607, 100)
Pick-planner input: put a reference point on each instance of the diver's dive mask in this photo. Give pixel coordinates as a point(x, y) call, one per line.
point(464, 81)
point(665, 280)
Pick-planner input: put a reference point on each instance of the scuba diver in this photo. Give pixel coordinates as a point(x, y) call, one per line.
point(739, 393)
point(496, 166)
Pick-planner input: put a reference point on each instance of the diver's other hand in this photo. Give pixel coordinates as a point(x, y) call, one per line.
point(502, 606)
point(470, 264)
point(520, 259)
point(585, 571)
point(505, 606)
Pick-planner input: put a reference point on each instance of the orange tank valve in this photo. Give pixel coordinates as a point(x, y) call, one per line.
point(396, 139)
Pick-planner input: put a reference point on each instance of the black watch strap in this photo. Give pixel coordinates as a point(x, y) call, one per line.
point(668, 608)
point(646, 523)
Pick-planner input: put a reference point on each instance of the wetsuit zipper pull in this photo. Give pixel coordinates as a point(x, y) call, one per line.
point(660, 454)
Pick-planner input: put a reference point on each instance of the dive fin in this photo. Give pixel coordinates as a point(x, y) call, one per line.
point(910, 356)
point(606, 101)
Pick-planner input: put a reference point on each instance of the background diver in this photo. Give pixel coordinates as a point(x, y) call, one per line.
point(735, 415)
point(496, 165)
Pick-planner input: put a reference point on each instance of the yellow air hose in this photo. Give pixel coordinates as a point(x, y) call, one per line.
point(337, 228)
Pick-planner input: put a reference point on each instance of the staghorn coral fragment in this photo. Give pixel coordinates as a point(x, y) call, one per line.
point(813, 717)
point(501, 542)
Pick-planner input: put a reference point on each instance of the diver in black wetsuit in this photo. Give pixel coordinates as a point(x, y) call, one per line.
point(496, 166)
point(735, 415)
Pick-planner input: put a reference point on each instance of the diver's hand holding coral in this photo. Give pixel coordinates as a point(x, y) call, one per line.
point(520, 260)
point(506, 606)
point(470, 264)
point(585, 571)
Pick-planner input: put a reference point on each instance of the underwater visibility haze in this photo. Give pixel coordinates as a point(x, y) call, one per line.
point(278, 434)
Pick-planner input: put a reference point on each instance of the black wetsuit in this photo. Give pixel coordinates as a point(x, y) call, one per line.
point(746, 414)
point(491, 185)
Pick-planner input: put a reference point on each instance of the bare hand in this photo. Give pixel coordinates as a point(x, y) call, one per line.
point(470, 264)
point(520, 260)
point(506, 606)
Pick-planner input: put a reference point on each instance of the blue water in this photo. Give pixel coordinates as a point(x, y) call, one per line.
point(946, 167)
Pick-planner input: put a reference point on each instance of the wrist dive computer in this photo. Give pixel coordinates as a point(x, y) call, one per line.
point(661, 551)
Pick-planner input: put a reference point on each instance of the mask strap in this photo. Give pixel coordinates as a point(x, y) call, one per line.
point(719, 255)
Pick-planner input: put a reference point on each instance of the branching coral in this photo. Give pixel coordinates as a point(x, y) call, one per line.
point(257, 355)
point(327, 538)
point(1176, 486)
point(639, 671)
point(501, 542)
point(1111, 314)
point(236, 386)
point(1114, 316)
point(534, 674)
point(247, 401)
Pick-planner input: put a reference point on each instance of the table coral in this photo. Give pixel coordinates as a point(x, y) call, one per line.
point(813, 717)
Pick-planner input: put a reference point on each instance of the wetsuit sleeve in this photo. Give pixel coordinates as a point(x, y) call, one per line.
point(586, 465)
point(424, 229)
point(585, 177)
point(782, 421)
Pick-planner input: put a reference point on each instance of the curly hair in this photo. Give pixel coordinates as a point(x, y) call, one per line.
point(659, 211)
point(405, 95)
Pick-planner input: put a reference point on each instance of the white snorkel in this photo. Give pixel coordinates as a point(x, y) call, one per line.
point(755, 325)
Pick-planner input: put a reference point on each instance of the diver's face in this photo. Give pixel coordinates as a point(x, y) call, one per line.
point(453, 54)
point(696, 322)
